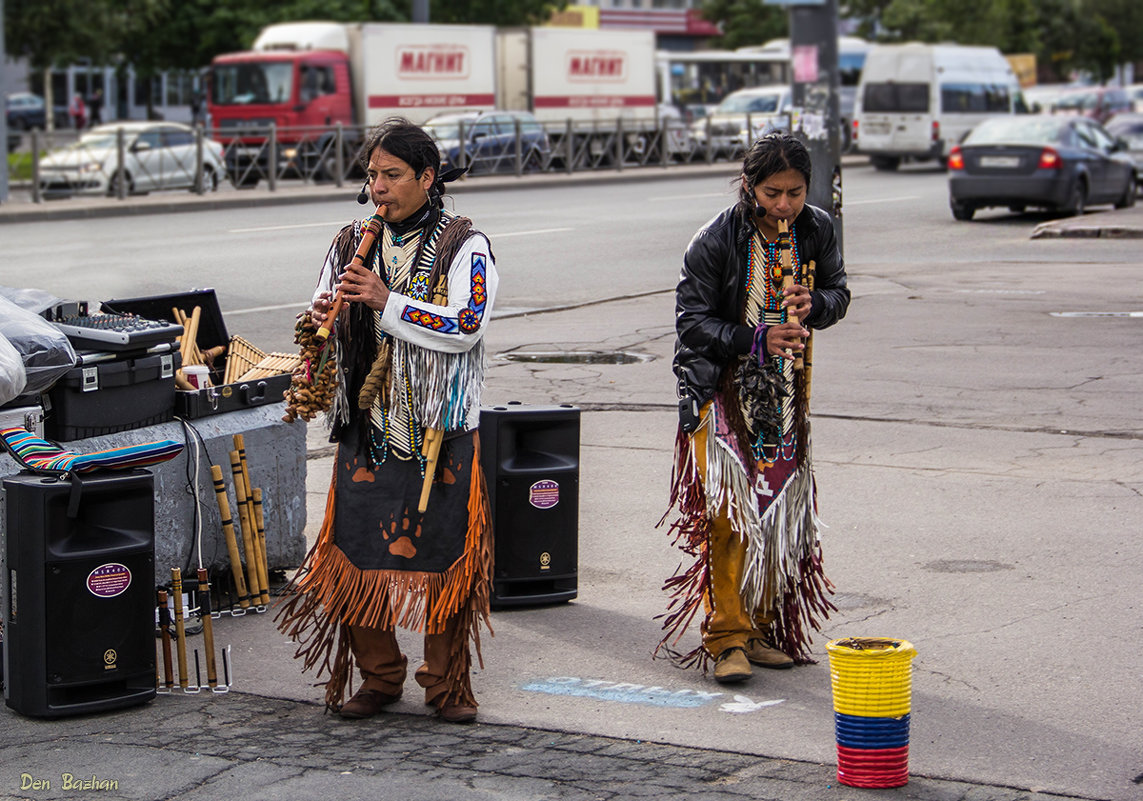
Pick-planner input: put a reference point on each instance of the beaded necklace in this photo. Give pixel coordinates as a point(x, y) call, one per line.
point(771, 273)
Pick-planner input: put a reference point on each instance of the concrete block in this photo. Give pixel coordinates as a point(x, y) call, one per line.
point(276, 457)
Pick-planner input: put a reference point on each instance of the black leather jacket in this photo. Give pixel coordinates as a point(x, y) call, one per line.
point(711, 294)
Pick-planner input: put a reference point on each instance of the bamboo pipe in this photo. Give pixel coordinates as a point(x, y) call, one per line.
point(231, 539)
point(253, 574)
point(785, 258)
point(165, 631)
point(371, 230)
point(260, 527)
point(180, 628)
point(207, 627)
point(430, 449)
point(251, 510)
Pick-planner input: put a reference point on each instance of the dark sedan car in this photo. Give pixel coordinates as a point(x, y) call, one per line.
point(1129, 128)
point(490, 140)
point(1058, 163)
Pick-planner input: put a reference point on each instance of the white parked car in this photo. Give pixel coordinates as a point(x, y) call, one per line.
point(765, 108)
point(156, 155)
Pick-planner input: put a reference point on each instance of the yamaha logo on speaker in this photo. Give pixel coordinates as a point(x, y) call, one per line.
point(545, 561)
point(110, 658)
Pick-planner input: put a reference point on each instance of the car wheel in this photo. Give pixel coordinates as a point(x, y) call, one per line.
point(1128, 199)
point(533, 161)
point(113, 184)
point(1077, 200)
point(247, 180)
point(885, 163)
point(962, 211)
point(209, 180)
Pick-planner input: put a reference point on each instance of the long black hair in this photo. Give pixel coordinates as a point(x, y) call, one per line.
point(771, 154)
point(412, 144)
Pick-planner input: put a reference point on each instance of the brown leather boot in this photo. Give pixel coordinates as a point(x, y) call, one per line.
point(457, 713)
point(763, 655)
point(367, 703)
point(732, 667)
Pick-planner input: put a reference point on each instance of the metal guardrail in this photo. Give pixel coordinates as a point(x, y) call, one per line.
point(248, 155)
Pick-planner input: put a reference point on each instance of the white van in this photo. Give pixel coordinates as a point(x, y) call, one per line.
point(915, 101)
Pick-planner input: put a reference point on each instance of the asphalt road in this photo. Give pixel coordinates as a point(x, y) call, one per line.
point(977, 448)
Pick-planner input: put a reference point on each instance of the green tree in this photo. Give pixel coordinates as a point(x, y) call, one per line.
point(494, 12)
point(51, 33)
point(746, 22)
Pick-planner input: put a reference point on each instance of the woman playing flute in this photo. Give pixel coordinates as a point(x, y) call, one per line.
point(743, 484)
point(410, 351)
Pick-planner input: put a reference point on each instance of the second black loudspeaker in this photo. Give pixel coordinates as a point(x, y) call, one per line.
point(530, 458)
point(79, 606)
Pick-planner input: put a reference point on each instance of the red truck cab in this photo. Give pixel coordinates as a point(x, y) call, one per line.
point(303, 95)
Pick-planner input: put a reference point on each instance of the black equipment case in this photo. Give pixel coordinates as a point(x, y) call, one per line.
point(219, 398)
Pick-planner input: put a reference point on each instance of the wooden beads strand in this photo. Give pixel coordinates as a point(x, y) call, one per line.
point(314, 381)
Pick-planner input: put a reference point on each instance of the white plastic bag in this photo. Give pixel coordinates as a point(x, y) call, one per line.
point(44, 349)
point(12, 374)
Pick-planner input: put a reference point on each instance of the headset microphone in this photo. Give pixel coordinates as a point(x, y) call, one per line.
point(363, 195)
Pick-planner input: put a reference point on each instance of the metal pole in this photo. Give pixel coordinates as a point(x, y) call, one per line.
point(120, 160)
point(198, 182)
point(519, 153)
point(37, 196)
point(570, 149)
point(619, 144)
point(339, 157)
point(420, 10)
point(814, 56)
point(4, 118)
point(272, 158)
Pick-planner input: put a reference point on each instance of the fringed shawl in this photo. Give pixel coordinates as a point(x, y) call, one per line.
point(442, 387)
point(772, 508)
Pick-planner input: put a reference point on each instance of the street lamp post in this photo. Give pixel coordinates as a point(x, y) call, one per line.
point(815, 85)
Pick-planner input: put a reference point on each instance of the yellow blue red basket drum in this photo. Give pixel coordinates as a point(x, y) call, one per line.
point(871, 679)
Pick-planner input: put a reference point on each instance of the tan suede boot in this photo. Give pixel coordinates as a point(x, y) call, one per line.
point(732, 667)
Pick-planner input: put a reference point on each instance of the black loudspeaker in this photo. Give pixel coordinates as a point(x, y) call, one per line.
point(530, 458)
point(79, 600)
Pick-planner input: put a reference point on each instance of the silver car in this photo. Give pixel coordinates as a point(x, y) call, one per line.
point(156, 155)
point(742, 117)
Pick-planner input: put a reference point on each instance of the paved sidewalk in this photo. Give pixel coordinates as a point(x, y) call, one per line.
point(270, 739)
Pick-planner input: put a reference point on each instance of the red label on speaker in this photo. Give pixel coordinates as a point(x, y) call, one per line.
point(544, 494)
point(109, 580)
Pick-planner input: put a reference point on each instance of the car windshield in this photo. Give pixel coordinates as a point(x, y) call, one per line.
point(447, 129)
point(99, 139)
point(1017, 130)
point(749, 104)
point(1075, 102)
point(254, 82)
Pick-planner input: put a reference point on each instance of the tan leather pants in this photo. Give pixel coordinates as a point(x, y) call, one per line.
point(728, 623)
point(384, 668)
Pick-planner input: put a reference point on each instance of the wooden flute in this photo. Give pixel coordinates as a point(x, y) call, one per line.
point(786, 259)
point(369, 234)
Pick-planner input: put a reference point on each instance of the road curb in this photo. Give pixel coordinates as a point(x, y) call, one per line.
point(98, 208)
point(1053, 231)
